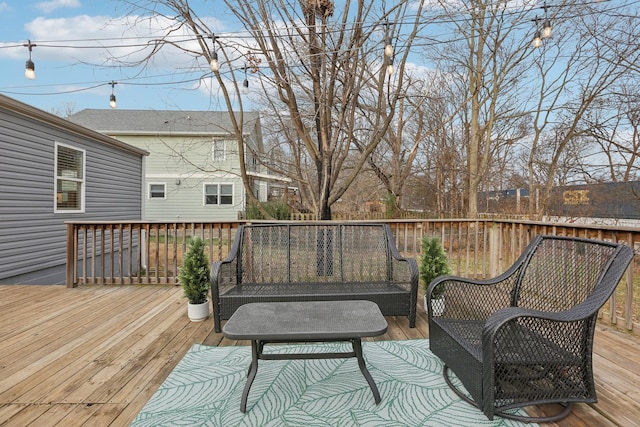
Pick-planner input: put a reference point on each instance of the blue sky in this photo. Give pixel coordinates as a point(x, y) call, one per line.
point(73, 35)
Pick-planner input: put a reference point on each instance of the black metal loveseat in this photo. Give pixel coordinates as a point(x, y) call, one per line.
point(317, 261)
point(526, 337)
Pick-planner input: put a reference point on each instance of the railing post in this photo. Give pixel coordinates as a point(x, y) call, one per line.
point(494, 250)
point(71, 256)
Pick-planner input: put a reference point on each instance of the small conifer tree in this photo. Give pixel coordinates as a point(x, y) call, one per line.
point(195, 272)
point(433, 263)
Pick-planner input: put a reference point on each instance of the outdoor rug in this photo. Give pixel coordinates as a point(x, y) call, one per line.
point(205, 388)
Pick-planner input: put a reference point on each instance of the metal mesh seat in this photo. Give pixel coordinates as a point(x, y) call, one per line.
point(526, 337)
point(315, 262)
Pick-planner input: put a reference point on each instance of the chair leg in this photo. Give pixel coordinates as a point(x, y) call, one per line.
point(550, 419)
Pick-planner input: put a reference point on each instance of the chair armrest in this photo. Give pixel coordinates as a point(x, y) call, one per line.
point(475, 300)
point(527, 331)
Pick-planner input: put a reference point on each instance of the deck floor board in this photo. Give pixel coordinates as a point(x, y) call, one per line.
point(94, 355)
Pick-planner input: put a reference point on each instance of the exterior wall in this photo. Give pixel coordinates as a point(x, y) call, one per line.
point(32, 235)
point(184, 165)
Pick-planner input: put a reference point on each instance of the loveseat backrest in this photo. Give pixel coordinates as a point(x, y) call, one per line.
point(313, 252)
point(559, 273)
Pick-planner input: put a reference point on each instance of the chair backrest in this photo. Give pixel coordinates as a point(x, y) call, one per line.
point(561, 272)
point(314, 252)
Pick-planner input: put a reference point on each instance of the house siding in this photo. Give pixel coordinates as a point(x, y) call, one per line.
point(189, 161)
point(32, 236)
point(181, 147)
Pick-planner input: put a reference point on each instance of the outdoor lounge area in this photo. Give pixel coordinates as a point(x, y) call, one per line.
point(95, 355)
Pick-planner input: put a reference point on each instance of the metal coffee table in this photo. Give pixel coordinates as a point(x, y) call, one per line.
point(295, 322)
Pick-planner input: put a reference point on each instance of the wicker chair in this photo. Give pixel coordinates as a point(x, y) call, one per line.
point(526, 337)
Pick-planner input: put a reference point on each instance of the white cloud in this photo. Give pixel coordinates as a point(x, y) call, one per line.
point(50, 6)
point(4, 6)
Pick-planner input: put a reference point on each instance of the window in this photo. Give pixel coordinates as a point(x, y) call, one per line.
point(218, 150)
point(218, 194)
point(157, 191)
point(70, 165)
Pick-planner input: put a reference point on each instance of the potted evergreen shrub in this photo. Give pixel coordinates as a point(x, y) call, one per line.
point(194, 277)
point(433, 263)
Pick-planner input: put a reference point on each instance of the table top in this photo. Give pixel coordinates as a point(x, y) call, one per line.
point(306, 320)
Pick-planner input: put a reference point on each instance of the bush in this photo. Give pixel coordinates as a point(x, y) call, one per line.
point(276, 209)
point(195, 273)
point(433, 263)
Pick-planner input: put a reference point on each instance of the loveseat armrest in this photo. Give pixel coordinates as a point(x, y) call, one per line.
point(224, 274)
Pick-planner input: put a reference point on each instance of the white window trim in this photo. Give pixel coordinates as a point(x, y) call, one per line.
point(82, 181)
point(218, 185)
point(224, 150)
point(164, 184)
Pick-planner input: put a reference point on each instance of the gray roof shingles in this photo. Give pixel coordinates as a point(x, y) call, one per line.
point(161, 122)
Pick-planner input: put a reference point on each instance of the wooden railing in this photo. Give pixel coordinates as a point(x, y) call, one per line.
point(139, 252)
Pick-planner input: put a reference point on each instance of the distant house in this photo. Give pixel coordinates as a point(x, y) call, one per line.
point(193, 170)
point(52, 171)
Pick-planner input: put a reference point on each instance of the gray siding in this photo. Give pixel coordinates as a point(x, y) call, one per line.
point(32, 236)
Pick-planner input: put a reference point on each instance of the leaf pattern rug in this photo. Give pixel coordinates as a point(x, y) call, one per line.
point(205, 388)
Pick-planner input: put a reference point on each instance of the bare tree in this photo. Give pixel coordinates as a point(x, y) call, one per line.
point(486, 44)
point(579, 68)
point(316, 66)
point(614, 125)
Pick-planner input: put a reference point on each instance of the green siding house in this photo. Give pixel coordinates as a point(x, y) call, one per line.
point(193, 170)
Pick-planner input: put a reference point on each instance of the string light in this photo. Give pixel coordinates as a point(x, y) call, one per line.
point(388, 47)
point(215, 66)
point(390, 66)
point(112, 98)
point(30, 68)
point(245, 83)
point(546, 28)
point(537, 40)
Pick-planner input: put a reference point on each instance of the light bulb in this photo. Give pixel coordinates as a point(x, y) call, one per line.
point(537, 41)
point(214, 62)
point(388, 48)
point(546, 29)
point(30, 71)
point(112, 101)
point(245, 86)
point(390, 69)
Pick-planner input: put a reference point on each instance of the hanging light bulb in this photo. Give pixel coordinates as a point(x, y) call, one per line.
point(112, 98)
point(214, 62)
point(546, 29)
point(215, 66)
point(390, 68)
point(30, 70)
point(30, 67)
point(388, 48)
point(245, 83)
point(537, 40)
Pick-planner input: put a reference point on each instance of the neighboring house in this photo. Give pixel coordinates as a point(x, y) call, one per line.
point(52, 171)
point(193, 170)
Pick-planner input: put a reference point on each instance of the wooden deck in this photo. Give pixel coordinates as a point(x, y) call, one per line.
point(94, 355)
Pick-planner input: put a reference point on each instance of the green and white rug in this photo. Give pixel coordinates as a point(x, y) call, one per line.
point(205, 389)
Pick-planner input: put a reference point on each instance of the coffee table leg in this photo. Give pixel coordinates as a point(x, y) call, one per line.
point(357, 349)
point(250, 376)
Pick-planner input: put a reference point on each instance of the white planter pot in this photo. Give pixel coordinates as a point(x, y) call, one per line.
point(198, 312)
point(436, 304)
